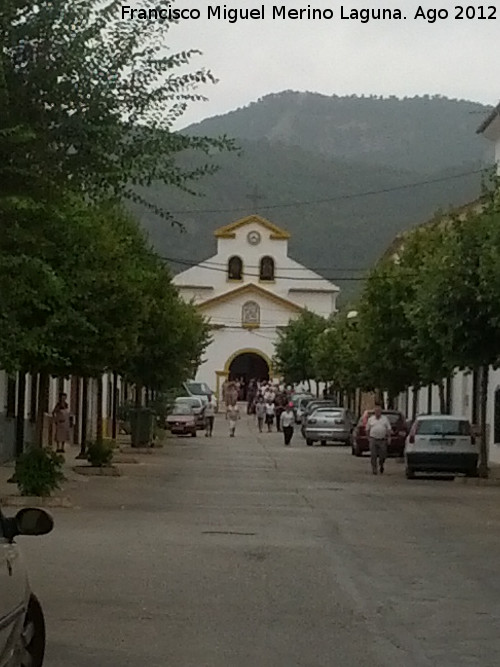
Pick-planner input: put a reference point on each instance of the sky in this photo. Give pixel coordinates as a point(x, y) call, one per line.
point(251, 58)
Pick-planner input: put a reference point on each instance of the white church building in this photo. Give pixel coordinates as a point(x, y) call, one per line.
point(248, 290)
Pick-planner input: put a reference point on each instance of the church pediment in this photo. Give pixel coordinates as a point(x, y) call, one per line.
point(229, 231)
point(250, 290)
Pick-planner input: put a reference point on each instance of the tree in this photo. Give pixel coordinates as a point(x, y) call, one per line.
point(336, 355)
point(459, 297)
point(97, 97)
point(294, 349)
point(384, 345)
point(172, 335)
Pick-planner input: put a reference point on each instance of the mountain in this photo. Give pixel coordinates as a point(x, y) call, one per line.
point(316, 173)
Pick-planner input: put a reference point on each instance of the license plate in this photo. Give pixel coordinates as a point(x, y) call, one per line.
point(442, 441)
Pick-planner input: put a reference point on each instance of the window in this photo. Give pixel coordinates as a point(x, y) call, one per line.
point(250, 314)
point(266, 268)
point(443, 427)
point(235, 268)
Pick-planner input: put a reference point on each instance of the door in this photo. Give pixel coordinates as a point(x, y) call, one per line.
point(13, 598)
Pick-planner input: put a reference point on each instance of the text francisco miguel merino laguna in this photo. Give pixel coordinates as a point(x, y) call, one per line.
point(165, 12)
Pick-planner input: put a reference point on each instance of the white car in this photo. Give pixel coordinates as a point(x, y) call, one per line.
point(22, 625)
point(441, 443)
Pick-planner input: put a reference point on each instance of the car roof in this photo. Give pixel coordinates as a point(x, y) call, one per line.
point(442, 417)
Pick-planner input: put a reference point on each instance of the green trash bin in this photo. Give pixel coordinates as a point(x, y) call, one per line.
point(141, 427)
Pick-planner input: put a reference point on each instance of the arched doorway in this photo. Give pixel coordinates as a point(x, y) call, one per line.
point(249, 366)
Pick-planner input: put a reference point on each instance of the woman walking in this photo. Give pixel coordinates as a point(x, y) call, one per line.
point(287, 422)
point(62, 422)
point(269, 415)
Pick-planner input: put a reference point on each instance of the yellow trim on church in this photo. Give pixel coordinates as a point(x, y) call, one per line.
point(253, 289)
point(228, 231)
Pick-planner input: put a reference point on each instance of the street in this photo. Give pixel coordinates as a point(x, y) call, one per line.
point(239, 552)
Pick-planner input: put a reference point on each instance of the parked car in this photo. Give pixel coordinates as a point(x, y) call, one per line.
point(299, 407)
point(198, 406)
point(182, 420)
point(441, 443)
point(328, 424)
point(311, 406)
point(22, 624)
point(399, 432)
point(200, 389)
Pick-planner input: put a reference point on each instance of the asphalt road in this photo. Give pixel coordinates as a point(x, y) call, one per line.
point(240, 552)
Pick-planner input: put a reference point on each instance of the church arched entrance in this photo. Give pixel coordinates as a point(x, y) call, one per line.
point(249, 366)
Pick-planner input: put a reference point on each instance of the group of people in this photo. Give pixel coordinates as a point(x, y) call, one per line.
point(270, 404)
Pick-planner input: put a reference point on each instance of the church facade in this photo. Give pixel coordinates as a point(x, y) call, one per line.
point(248, 290)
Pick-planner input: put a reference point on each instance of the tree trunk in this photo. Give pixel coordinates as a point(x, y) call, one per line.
point(442, 397)
point(414, 403)
point(84, 418)
point(114, 405)
point(99, 421)
point(483, 444)
point(43, 395)
point(309, 386)
point(21, 406)
point(138, 395)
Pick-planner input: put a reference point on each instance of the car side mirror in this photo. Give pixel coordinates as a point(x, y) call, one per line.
point(33, 521)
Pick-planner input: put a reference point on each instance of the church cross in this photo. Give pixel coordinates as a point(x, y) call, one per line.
point(255, 197)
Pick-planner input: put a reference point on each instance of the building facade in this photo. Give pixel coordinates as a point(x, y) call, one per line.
point(248, 290)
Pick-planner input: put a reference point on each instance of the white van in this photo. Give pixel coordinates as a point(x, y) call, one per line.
point(441, 443)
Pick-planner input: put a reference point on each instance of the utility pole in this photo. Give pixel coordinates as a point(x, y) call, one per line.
point(255, 197)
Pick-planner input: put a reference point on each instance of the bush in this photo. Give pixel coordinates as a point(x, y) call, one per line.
point(39, 471)
point(100, 453)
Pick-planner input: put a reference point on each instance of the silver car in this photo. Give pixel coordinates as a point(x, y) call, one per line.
point(329, 424)
point(22, 625)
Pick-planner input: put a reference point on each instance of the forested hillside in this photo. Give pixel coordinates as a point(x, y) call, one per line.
point(315, 163)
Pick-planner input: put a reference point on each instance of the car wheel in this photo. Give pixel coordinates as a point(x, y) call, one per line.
point(194, 434)
point(353, 453)
point(471, 473)
point(323, 443)
point(410, 473)
point(309, 443)
point(357, 451)
point(33, 636)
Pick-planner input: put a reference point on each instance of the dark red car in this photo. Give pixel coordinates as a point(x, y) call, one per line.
point(360, 442)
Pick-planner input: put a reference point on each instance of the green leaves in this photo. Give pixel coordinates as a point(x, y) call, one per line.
point(294, 348)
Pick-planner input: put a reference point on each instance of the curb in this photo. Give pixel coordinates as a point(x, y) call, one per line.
point(35, 501)
point(125, 458)
point(94, 471)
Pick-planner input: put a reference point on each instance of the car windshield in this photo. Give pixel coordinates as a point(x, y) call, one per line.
point(303, 402)
point(330, 414)
point(314, 405)
point(182, 409)
point(198, 388)
point(443, 427)
point(193, 402)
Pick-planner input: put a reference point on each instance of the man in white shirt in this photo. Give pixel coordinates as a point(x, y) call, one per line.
point(378, 430)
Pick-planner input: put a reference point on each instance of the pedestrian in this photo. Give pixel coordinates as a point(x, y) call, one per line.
point(61, 420)
point(232, 414)
point(287, 422)
point(378, 430)
point(260, 412)
point(209, 417)
point(269, 415)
